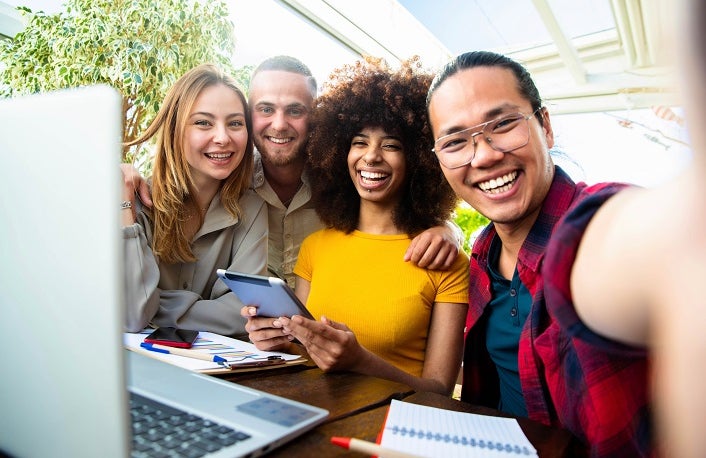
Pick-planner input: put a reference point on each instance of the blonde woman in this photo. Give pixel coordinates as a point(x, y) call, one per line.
point(204, 216)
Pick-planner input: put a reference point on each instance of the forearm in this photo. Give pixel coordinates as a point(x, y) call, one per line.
point(141, 278)
point(186, 309)
point(371, 364)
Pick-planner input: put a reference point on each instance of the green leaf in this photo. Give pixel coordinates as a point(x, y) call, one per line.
point(139, 46)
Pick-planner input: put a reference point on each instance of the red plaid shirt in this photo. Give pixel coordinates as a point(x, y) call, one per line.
point(571, 377)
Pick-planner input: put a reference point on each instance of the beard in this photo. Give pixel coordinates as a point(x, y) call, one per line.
point(280, 156)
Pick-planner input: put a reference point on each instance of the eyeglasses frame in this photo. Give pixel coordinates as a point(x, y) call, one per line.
point(481, 128)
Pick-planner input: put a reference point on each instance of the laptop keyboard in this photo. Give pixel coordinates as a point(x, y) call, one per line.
point(159, 430)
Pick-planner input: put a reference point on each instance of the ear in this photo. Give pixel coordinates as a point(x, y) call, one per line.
point(547, 127)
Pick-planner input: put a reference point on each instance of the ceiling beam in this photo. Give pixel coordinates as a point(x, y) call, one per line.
point(566, 49)
point(328, 19)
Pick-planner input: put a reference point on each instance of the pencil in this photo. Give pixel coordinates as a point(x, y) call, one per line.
point(187, 353)
point(358, 445)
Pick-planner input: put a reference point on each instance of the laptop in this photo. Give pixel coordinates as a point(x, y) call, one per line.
point(67, 383)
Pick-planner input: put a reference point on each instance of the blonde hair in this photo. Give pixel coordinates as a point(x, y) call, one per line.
point(172, 183)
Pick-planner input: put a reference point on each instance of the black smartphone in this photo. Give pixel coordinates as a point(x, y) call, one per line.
point(172, 337)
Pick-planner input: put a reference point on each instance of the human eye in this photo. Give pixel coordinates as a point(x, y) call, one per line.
point(358, 142)
point(265, 110)
point(237, 123)
point(202, 123)
point(452, 143)
point(506, 123)
point(296, 112)
point(392, 146)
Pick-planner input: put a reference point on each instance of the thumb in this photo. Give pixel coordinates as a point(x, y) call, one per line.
point(410, 249)
point(144, 193)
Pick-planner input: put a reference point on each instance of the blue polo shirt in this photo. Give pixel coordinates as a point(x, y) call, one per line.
point(507, 312)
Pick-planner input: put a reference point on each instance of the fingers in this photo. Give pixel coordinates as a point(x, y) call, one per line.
point(334, 324)
point(411, 250)
point(247, 311)
point(432, 253)
point(265, 332)
point(137, 185)
point(331, 345)
point(144, 194)
point(444, 259)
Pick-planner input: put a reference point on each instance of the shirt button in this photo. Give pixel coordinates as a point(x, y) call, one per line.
point(513, 312)
point(513, 292)
point(185, 286)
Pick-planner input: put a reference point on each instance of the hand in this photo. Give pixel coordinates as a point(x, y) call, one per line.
point(434, 249)
point(266, 333)
point(332, 346)
point(135, 184)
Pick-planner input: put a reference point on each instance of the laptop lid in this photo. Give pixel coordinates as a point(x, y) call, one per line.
point(60, 304)
point(63, 389)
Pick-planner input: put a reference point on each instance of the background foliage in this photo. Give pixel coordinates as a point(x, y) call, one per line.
point(470, 221)
point(139, 47)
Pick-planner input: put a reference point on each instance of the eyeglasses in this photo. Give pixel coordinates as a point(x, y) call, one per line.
point(503, 134)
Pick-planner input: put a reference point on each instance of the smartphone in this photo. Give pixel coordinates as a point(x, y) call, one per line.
point(172, 337)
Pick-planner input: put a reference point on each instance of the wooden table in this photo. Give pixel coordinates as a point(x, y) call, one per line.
point(358, 404)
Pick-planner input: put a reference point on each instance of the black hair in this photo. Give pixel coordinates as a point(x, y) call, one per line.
point(490, 59)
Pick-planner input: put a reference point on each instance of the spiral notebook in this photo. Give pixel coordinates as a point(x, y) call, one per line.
point(433, 432)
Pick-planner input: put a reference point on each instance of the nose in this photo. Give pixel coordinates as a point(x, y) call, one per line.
point(484, 155)
point(372, 154)
point(279, 121)
point(220, 135)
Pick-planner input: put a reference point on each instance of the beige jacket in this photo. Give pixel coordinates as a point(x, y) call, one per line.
point(190, 295)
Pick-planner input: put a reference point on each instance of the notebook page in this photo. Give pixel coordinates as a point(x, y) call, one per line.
point(433, 432)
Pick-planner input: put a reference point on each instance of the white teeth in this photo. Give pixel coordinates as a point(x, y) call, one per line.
point(500, 184)
point(219, 155)
point(372, 175)
point(279, 140)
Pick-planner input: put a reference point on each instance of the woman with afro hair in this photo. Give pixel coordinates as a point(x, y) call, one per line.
point(375, 184)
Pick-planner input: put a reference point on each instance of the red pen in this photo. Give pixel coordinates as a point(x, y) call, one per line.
point(358, 445)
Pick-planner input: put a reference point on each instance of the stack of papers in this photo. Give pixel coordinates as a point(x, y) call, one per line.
point(240, 355)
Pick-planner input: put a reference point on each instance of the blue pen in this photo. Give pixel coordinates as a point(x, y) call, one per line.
point(188, 353)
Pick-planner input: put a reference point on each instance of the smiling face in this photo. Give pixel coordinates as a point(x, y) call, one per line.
point(377, 166)
point(281, 102)
point(215, 136)
point(508, 188)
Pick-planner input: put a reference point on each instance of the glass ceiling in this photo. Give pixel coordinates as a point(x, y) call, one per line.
point(463, 25)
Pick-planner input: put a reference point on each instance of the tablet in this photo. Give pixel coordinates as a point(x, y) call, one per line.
point(272, 296)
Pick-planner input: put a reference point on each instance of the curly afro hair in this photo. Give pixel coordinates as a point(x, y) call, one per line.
point(371, 94)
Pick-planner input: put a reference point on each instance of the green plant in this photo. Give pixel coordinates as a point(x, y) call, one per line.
point(139, 47)
point(469, 220)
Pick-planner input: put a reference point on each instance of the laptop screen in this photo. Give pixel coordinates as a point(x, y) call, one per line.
point(60, 299)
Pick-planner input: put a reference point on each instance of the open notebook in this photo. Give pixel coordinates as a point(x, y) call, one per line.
point(430, 431)
point(67, 383)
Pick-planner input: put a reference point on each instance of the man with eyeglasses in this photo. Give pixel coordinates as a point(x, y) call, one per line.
point(541, 340)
